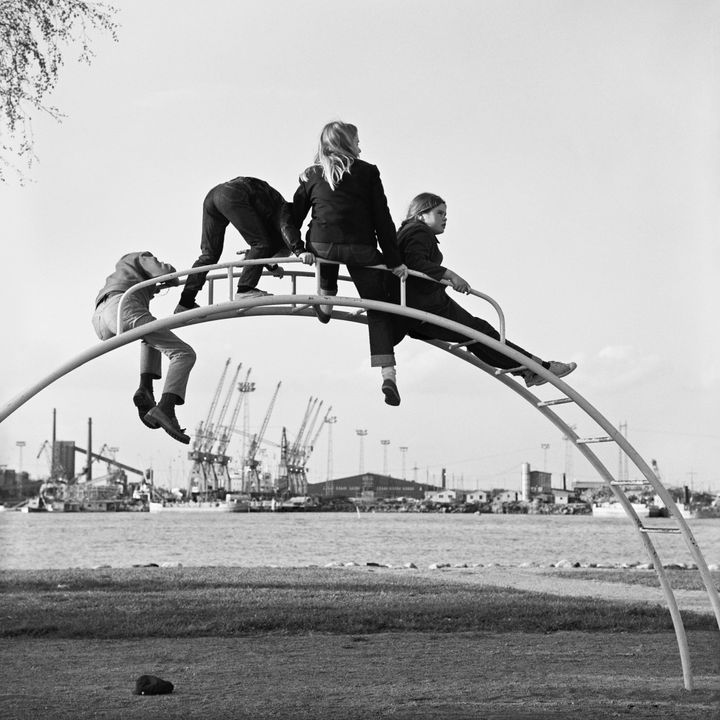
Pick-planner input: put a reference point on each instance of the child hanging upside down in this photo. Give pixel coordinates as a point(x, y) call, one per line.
point(131, 269)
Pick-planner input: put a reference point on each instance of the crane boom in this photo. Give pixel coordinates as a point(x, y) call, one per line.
point(298, 438)
point(227, 431)
point(208, 427)
point(251, 462)
point(223, 411)
point(312, 442)
point(311, 427)
point(122, 466)
point(216, 397)
point(258, 438)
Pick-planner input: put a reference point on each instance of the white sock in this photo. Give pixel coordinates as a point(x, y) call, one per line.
point(389, 373)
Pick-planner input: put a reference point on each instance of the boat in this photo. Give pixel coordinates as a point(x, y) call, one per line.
point(35, 504)
point(616, 509)
point(233, 503)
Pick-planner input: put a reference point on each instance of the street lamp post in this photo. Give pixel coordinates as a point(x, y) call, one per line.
point(385, 444)
point(330, 421)
point(545, 447)
point(246, 388)
point(361, 433)
point(403, 450)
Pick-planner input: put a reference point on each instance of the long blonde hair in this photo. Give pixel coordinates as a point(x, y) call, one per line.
point(336, 151)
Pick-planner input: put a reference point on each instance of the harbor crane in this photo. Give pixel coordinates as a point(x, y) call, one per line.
point(46, 447)
point(205, 430)
point(294, 456)
point(253, 482)
point(206, 463)
point(226, 432)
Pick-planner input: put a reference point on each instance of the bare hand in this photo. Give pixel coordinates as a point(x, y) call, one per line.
point(307, 258)
point(458, 283)
point(400, 271)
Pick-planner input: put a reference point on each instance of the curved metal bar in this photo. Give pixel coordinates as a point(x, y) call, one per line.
point(269, 305)
point(164, 280)
point(599, 466)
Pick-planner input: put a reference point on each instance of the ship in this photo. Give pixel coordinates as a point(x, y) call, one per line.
point(233, 503)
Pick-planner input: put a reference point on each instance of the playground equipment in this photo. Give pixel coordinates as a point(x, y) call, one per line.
point(353, 310)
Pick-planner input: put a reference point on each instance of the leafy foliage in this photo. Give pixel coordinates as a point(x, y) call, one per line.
point(34, 36)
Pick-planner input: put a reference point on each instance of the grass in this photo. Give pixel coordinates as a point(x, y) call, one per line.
point(231, 602)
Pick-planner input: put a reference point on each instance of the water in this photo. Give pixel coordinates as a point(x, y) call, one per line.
point(62, 540)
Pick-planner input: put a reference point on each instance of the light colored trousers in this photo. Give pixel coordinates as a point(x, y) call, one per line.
point(136, 313)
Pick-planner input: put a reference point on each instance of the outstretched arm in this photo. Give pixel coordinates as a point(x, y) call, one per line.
point(420, 251)
point(290, 231)
point(456, 282)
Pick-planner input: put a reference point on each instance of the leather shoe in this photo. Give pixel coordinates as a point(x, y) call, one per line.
point(184, 308)
point(144, 401)
point(322, 316)
point(392, 396)
point(169, 424)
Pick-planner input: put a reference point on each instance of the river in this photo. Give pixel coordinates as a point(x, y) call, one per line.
point(85, 540)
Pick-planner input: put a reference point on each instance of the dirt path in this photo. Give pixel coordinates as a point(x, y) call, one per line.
point(418, 676)
point(547, 581)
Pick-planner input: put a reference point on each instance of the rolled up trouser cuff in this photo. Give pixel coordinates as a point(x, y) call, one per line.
point(382, 360)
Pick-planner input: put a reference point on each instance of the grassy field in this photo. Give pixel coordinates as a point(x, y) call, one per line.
point(336, 642)
point(224, 602)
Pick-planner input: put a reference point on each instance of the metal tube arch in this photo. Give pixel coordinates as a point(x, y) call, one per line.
point(277, 305)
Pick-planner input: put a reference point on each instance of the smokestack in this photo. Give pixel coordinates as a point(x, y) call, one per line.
point(443, 476)
point(53, 458)
point(88, 472)
point(525, 482)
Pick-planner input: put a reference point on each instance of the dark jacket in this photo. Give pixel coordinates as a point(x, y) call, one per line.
point(274, 211)
point(419, 251)
point(348, 223)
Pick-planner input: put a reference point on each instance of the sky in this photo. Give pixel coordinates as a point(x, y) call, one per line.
point(576, 145)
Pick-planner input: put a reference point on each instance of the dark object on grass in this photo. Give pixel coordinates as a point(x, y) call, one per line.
point(152, 685)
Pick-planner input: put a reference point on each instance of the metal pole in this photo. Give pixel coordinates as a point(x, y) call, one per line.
point(53, 461)
point(545, 447)
point(88, 472)
point(403, 450)
point(330, 421)
point(385, 444)
point(245, 387)
point(361, 434)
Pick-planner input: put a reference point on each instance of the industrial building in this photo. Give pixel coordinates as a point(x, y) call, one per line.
point(370, 486)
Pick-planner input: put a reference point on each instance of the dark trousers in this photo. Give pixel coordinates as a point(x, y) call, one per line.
point(225, 204)
point(371, 285)
point(450, 310)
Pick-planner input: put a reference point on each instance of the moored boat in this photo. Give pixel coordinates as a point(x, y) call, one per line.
point(616, 509)
point(232, 503)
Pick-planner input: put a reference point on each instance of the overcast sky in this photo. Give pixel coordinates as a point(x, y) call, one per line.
point(576, 144)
